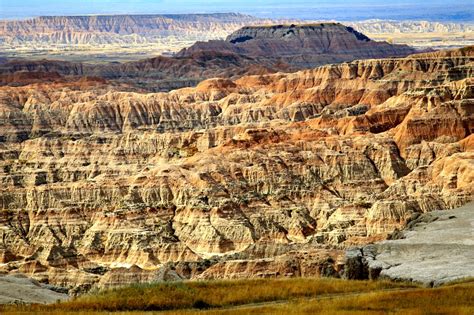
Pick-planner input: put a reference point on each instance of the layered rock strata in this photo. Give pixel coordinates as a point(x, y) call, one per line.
point(106, 38)
point(301, 46)
point(248, 51)
point(267, 175)
point(122, 30)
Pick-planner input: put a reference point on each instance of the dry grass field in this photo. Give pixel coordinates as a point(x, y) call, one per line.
point(453, 299)
point(268, 296)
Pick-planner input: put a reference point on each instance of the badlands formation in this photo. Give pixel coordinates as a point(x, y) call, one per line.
point(247, 51)
point(418, 34)
point(97, 30)
point(300, 46)
point(106, 38)
point(114, 37)
point(260, 176)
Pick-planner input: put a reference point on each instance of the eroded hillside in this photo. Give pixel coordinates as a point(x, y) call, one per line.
point(261, 176)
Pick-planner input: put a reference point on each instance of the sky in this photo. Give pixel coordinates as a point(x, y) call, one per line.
point(434, 10)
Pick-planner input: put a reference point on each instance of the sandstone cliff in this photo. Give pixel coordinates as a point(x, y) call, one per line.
point(267, 175)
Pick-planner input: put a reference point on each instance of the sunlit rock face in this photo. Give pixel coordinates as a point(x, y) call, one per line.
point(246, 178)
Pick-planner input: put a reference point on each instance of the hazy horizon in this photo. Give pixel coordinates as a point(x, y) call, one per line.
point(445, 11)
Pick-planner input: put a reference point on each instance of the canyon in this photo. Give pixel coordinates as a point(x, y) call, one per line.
point(241, 176)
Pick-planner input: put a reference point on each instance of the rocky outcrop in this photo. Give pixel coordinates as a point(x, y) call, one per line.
point(271, 172)
point(434, 249)
point(301, 263)
point(19, 289)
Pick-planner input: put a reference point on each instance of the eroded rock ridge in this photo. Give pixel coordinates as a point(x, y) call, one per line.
point(266, 175)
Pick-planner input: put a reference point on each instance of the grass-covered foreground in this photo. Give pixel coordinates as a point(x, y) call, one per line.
point(270, 296)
